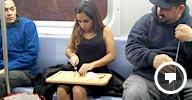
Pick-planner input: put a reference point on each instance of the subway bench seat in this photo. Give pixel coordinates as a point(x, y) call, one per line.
point(52, 52)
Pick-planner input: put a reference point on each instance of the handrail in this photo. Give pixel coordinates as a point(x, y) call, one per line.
point(4, 41)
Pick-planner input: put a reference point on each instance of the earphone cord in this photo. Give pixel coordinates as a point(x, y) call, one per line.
point(176, 58)
point(177, 54)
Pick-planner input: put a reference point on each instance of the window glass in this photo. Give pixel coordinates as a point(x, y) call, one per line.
point(54, 10)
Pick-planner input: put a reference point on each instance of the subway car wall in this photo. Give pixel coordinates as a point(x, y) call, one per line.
point(56, 16)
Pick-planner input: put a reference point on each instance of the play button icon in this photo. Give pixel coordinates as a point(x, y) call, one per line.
point(170, 77)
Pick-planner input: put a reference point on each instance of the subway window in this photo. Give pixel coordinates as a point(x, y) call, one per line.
point(54, 10)
point(57, 16)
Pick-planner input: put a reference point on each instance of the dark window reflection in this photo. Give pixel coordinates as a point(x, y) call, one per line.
point(54, 10)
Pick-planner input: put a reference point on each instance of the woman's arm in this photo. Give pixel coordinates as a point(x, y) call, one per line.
point(73, 58)
point(110, 49)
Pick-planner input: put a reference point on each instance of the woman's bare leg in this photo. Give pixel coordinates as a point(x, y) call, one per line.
point(79, 93)
point(62, 93)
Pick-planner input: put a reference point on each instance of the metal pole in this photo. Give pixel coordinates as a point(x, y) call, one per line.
point(4, 41)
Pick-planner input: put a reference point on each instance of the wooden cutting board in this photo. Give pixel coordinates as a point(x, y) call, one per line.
point(71, 77)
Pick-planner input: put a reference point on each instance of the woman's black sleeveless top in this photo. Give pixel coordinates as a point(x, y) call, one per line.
point(90, 50)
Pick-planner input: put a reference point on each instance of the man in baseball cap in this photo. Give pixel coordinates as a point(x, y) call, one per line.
point(153, 40)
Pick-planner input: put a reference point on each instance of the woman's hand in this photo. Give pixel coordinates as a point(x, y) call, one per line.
point(85, 68)
point(74, 60)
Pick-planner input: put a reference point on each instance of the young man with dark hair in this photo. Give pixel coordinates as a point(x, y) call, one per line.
point(22, 46)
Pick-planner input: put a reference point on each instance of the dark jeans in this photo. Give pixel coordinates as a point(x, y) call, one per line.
point(3, 90)
point(138, 88)
point(16, 78)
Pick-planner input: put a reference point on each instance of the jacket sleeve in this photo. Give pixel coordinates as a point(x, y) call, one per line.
point(188, 50)
point(137, 50)
point(1, 64)
point(1, 52)
point(31, 48)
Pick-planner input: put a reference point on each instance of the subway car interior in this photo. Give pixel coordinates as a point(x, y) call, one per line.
point(54, 21)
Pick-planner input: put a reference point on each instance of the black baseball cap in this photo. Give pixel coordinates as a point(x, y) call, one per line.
point(167, 3)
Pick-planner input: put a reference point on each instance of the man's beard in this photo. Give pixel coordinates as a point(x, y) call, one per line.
point(162, 18)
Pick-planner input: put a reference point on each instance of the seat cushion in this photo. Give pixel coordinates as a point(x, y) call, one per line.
point(92, 98)
point(23, 89)
point(105, 98)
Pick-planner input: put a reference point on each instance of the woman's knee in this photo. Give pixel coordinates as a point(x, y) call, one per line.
point(78, 90)
point(62, 89)
point(79, 93)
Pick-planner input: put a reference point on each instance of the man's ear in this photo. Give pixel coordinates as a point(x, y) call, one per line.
point(181, 9)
